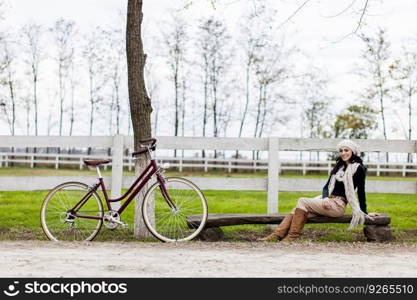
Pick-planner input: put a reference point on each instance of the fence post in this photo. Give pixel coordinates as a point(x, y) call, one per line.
point(117, 169)
point(273, 176)
point(130, 163)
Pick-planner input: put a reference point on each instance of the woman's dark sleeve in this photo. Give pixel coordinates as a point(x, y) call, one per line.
point(325, 192)
point(359, 182)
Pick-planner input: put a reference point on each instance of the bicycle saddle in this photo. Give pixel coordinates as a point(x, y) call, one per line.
point(96, 162)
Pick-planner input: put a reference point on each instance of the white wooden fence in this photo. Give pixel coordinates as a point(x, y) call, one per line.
point(272, 184)
point(303, 166)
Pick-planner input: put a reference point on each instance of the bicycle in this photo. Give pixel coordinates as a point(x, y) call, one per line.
point(73, 211)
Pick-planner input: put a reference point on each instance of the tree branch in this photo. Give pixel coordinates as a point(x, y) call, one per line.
point(293, 14)
point(343, 11)
point(361, 18)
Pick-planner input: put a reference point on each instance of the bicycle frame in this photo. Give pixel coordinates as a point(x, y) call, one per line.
point(133, 190)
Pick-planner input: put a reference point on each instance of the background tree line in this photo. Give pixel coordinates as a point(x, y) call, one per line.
point(204, 79)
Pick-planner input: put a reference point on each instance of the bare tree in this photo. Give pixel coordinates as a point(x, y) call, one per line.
point(140, 103)
point(175, 40)
point(73, 83)
point(27, 104)
point(218, 65)
point(377, 57)
point(315, 103)
point(152, 86)
point(404, 72)
point(8, 80)
point(252, 39)
point(63, 32)
point(213, 45)
point(202, 44)
point(93, 53)
point(116, 64)
point(32, 34)
point(271, 68)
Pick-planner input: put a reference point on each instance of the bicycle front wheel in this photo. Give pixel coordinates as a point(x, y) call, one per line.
point(59, 225)
point(170, 224)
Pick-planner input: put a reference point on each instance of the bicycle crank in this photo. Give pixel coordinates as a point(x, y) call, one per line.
point(112, 220)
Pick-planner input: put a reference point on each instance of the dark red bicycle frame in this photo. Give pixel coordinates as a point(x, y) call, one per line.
point(136, 187)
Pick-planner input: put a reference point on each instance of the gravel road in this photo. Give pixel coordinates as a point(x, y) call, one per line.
point(203, 259)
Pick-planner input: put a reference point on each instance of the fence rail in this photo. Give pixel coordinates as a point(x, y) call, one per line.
point(272, 145)
point(303, 166)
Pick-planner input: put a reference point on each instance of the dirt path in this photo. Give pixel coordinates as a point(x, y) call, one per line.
point(199, 259)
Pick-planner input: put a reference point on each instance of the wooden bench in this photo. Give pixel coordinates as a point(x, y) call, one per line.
point(376, 229)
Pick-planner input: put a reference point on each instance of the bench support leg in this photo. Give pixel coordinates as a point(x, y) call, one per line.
point(211, 234)
point(378, 233)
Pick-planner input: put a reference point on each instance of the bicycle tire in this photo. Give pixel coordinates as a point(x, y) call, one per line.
point(161, 210)
point(55, 234)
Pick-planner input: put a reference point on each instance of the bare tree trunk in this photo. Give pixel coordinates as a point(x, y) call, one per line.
point(61, 98)
point(245, 111)
point(72, 110)
point(91, 112)
point(155, 126)
point(35, 98)
point(117, 109)
point(111, 107)
point(205, 104)
point(258, 114)
point(381, 101)
point(176, 124)
point(410, 113)
point(27, 117)
point(10, 82)
point(214, 106)
point(140, 104)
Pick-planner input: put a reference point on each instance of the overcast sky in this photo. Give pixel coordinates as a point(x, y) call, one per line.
point(315, 29)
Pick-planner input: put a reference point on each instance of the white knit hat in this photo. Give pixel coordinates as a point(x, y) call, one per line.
point(349, 144)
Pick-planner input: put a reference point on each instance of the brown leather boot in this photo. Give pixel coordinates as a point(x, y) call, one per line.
point(281, 230)
point(297, 224)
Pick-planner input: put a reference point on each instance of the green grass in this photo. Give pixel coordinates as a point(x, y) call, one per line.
point(19, 211)
point(19, 216)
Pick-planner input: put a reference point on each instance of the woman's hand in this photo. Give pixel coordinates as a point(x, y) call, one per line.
point(373, 214)
point(326, 204)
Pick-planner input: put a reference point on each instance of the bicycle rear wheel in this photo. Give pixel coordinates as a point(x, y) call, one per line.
point(59, 225)
point(170, 224)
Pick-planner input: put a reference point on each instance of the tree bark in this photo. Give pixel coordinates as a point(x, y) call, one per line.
point(140, 103)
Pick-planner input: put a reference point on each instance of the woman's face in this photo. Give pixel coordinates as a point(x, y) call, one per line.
point(345, 153)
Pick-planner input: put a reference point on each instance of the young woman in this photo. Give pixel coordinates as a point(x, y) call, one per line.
point(348, 174)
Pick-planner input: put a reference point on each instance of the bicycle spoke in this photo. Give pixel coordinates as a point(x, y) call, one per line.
point(171, 224)
point(58, 225)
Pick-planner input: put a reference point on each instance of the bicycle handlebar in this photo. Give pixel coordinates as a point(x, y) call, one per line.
point(153, 140)
point(152, 147)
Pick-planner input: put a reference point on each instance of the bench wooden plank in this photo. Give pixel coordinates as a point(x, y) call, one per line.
point(217, 220)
